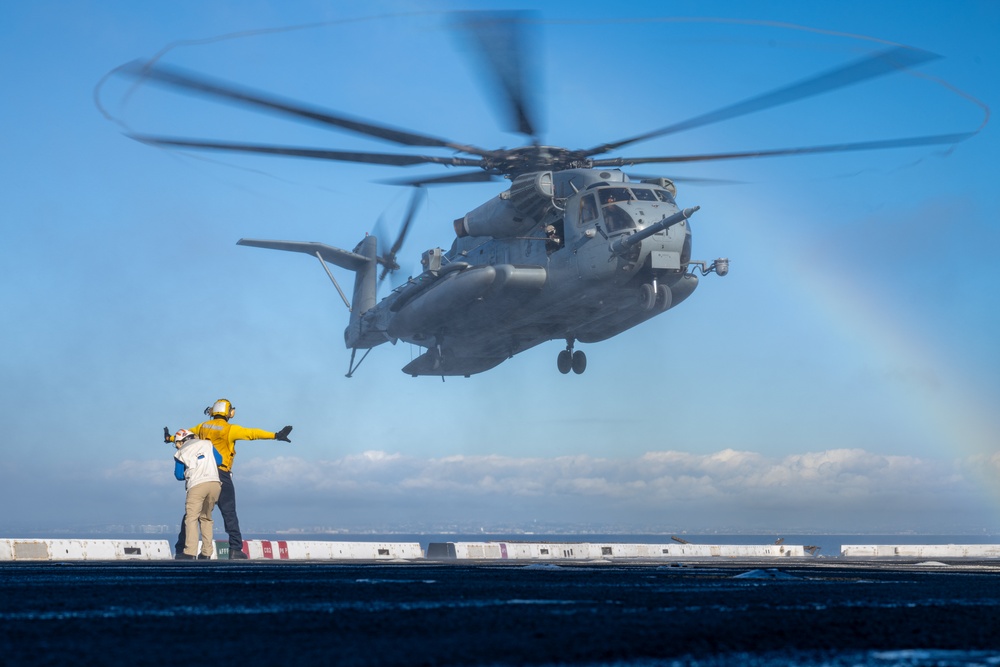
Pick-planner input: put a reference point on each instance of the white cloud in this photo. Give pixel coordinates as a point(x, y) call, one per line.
point(836, 490)
point(839, 487)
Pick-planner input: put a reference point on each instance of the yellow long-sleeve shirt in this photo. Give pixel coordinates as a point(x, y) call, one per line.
point(224, 436)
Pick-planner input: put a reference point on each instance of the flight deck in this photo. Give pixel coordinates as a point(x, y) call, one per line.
point(717, 611)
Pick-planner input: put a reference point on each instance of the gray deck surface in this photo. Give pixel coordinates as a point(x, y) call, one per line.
point(817, 612)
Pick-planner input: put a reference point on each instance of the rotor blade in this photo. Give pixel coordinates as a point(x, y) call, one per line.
point(378, 231)
point(390, 257)
point(418, 197)
point(464, 177)
point(192, 83)
point(315, 153)
point(803, 150)
point(884, 62)
point(500, 41)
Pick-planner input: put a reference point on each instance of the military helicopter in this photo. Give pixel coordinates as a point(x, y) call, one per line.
point(575, 250)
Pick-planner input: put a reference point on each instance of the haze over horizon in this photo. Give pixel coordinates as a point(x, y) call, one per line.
point(842, 378)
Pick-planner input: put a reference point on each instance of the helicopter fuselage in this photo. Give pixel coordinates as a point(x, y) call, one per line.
point(544, 262)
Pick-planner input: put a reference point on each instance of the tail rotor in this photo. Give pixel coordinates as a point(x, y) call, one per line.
point(387, 260)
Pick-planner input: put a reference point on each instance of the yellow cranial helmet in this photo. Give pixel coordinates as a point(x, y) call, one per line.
point(222, 408)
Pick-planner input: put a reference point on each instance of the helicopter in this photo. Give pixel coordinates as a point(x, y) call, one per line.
point(574, 250)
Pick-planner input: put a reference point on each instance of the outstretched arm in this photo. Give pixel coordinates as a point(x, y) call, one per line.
point(237, 432)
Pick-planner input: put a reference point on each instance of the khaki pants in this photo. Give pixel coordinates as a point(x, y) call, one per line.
point(200, 502)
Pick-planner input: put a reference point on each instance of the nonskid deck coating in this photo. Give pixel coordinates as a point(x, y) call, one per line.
point(823, 611)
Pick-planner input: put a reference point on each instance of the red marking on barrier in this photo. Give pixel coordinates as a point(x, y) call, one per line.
point(282, 549)
point(266, 546)
point(246, 548)
point(503, 550)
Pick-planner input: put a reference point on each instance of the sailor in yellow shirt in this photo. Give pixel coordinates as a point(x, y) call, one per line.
point(223, 436)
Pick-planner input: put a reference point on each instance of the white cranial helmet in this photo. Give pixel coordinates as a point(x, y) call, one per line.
point(181, 436)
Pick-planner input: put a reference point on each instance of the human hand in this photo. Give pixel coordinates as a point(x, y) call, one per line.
point(166, 435)
point(283, 434)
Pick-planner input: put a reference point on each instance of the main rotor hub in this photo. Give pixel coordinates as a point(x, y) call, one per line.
point(516, 161)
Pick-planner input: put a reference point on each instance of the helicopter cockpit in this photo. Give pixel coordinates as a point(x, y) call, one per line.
point(611, 199)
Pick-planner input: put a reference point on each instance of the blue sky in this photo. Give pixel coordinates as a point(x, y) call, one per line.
point(842, 377)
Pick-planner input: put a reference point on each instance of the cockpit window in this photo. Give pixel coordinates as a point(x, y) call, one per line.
point(616, 218)
point(614, 195)
point(644, 194)
point(588, 209)
point(665, 196)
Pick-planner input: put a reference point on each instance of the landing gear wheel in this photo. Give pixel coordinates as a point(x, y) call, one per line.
point(647, 297)
point(664, 297)
point(565, 361)
point(579, 362)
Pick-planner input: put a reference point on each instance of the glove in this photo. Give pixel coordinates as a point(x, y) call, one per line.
point(283, 434)
point(166, 435)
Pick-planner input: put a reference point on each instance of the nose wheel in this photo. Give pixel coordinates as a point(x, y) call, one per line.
point(655, 297)
point(570, 360)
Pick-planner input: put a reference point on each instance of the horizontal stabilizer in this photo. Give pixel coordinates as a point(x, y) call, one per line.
point(342, 258)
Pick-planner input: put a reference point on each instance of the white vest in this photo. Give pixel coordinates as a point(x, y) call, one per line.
point(198, 457)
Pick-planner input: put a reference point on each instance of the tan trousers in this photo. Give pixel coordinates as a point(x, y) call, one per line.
point(200, 502)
